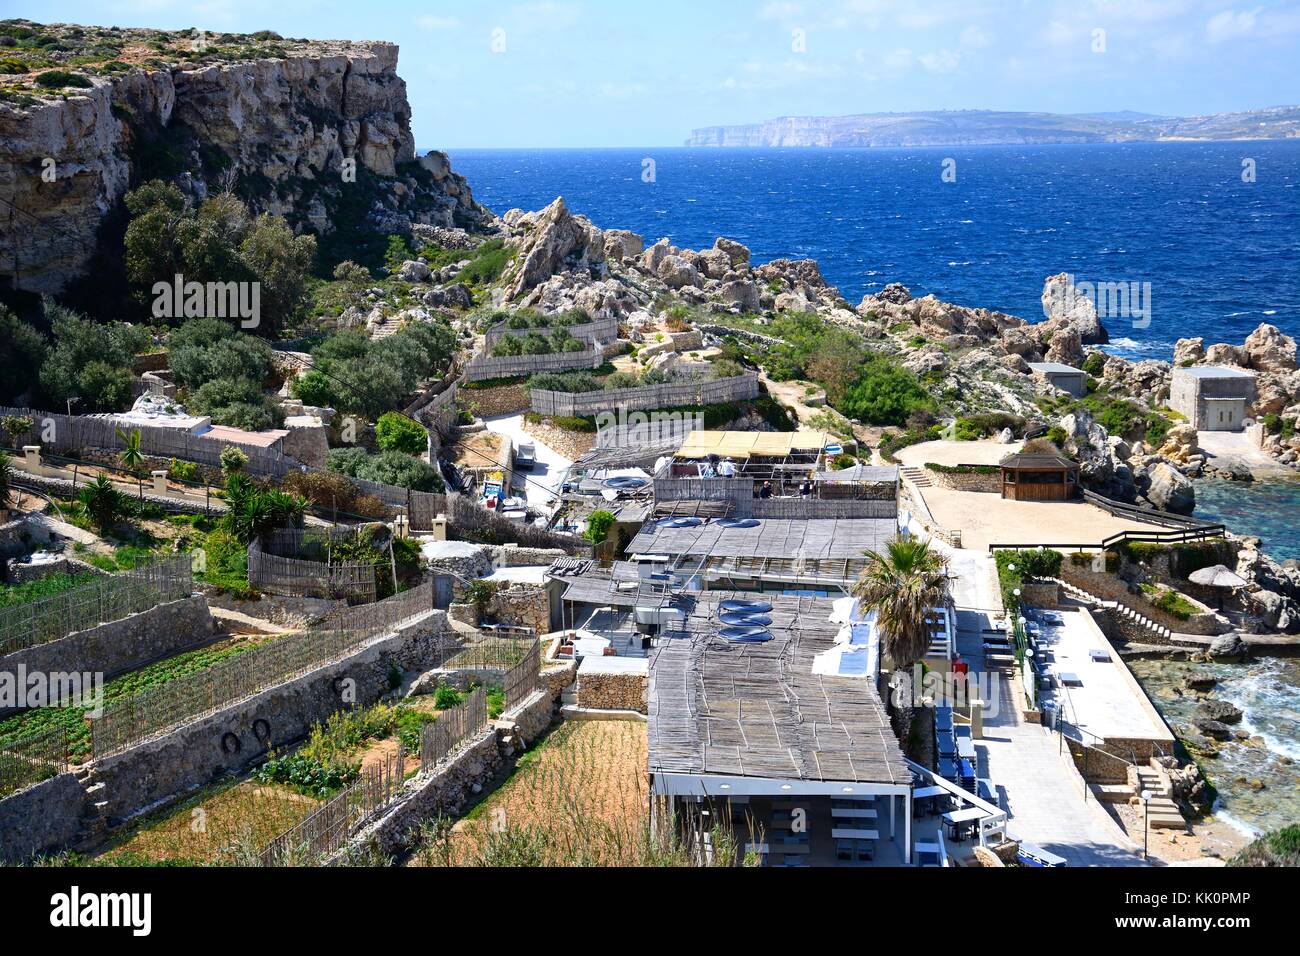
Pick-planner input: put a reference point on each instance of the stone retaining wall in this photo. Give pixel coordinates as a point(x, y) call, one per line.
point(120, 646)
point(1110, 587)
point(499, 400)
point(984, 484)
point(188, 757)
point(614, 692)
point(522, 605)
point(40, 819)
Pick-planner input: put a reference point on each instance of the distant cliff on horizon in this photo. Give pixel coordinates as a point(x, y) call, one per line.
point(991, 128)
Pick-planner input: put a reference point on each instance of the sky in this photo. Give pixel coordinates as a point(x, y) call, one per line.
point(608, 73)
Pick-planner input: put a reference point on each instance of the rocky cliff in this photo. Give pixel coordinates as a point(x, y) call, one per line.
point(988, 127)
point(313, 131)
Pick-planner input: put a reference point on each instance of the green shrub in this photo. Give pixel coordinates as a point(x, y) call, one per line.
point(598, 526)
point(389, 468)
point(886, 394)
point(237, 403)
point(396, 432)
point(55, 79)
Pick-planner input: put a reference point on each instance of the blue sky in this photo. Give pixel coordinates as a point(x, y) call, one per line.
point(620, 73)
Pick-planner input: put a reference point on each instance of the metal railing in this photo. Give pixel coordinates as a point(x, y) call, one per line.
point(329, 826)
point(28, 760)
point(452, 727)
point(97, 602)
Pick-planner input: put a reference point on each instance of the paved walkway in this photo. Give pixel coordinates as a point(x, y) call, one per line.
point(542, 484)
point(1042, 792)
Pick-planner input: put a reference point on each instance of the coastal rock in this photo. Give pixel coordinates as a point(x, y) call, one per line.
point(1225, 712)
point(1066, 347)
point(1222, 354)
point(1228, 649)
point(554, 240)
point(622, 244)
point(1189, 352)
point(792, 302)
point(1212, 728)
point(1269, 350)
point(677, 273)
point(1061, 301)
point(737, 254)
point(656, 254)
point(741, 293)
point(1170, 490)
point(456, 296)
point(1180, 443)
point(895, 293)
point(1200, 682)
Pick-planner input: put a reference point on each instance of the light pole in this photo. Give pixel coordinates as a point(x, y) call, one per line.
point(1146, 822)
point(74, 398)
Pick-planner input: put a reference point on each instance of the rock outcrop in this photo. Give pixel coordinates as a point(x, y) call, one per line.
point(289, 129)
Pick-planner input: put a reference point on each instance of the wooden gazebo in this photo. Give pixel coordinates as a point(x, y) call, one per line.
point(1042, 477)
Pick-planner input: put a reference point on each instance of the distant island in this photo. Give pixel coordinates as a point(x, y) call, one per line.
point(990, 127)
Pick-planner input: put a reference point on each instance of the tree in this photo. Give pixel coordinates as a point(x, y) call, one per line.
point(15, 425)
point(90, 360)
point(202, 350)
point(886, 394)
point(598, 526)
point(132, 457)
point(233, 460)
point(103, 503)
point(389, 468)
point(902, 585)
point(237, 402)
point(282, 262)
point(22, 350)
point(396, 432)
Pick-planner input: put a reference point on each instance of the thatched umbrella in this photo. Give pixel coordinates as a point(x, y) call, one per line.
point(1220, 577)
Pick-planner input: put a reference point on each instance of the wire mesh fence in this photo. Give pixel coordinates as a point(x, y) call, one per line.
point(524, 677)
point(452, 727)
point(328, 827)
point(28, 760)
point(96, 602)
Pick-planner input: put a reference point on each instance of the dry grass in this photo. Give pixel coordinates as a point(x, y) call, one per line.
point(214, 828)
point(579, 799)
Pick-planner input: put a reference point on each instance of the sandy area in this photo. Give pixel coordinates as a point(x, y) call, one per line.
point(985, 519)
point(1208, 841)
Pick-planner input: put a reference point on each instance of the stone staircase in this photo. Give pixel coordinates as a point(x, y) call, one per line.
point(1163, 812)
point(1123, 610)
point(918, 476)
point(94, 811)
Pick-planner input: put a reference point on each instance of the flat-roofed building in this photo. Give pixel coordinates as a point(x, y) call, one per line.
point(1213, 398)
point(1071, 380)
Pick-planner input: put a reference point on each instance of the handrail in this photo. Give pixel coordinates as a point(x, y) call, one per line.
point(1199, 533)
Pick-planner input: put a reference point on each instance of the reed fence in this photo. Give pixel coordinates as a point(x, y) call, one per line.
point(96, 602)
point(601, 330)
point(63, 434)
point(383, 615)
point(295, 577)
point(326, 829)
point(28, 760)
point(471, 522)
point(645, 397)
point(486, 367)
point(452, 728)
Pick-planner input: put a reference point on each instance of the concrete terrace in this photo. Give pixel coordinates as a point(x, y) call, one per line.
point(1031, 773)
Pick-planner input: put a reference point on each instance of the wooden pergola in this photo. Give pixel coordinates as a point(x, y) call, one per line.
point(1039, 478)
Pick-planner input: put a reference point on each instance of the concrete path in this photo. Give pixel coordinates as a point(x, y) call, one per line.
point(542, 484)
point(1226, 447)
point(1040, 788)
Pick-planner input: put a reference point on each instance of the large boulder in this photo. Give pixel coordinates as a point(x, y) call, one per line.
point(1222, 354)
point(677, 273)
point(414, 271)
point(1189, 352)
point(742, 293)
point(621, 245)
point(1225, 712)
point(1062, 301)
point(1228, 649)
point(1170, 489)
point(1271, 351)
point(554, 241)
point(1066, 347)
point(736, 254)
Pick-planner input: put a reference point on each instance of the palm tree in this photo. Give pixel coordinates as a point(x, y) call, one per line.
point(132, 458)
point(902, 586)
point(103, 503)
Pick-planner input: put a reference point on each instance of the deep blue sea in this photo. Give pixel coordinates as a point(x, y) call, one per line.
point(1222, 255)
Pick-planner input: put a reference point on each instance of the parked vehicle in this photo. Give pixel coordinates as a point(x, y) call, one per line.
point(525, 456)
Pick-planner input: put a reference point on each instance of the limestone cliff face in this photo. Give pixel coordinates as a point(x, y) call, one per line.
point(279, 130)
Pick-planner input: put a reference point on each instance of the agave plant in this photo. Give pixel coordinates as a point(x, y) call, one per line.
point(104, 504)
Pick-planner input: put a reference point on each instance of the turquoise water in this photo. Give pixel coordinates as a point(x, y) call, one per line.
point(1268, 694)
point(1265, 509)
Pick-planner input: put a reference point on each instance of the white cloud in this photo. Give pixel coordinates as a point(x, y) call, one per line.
point(437, 23)
point(941, 61)
point(1231, 25)
point(973, 38)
